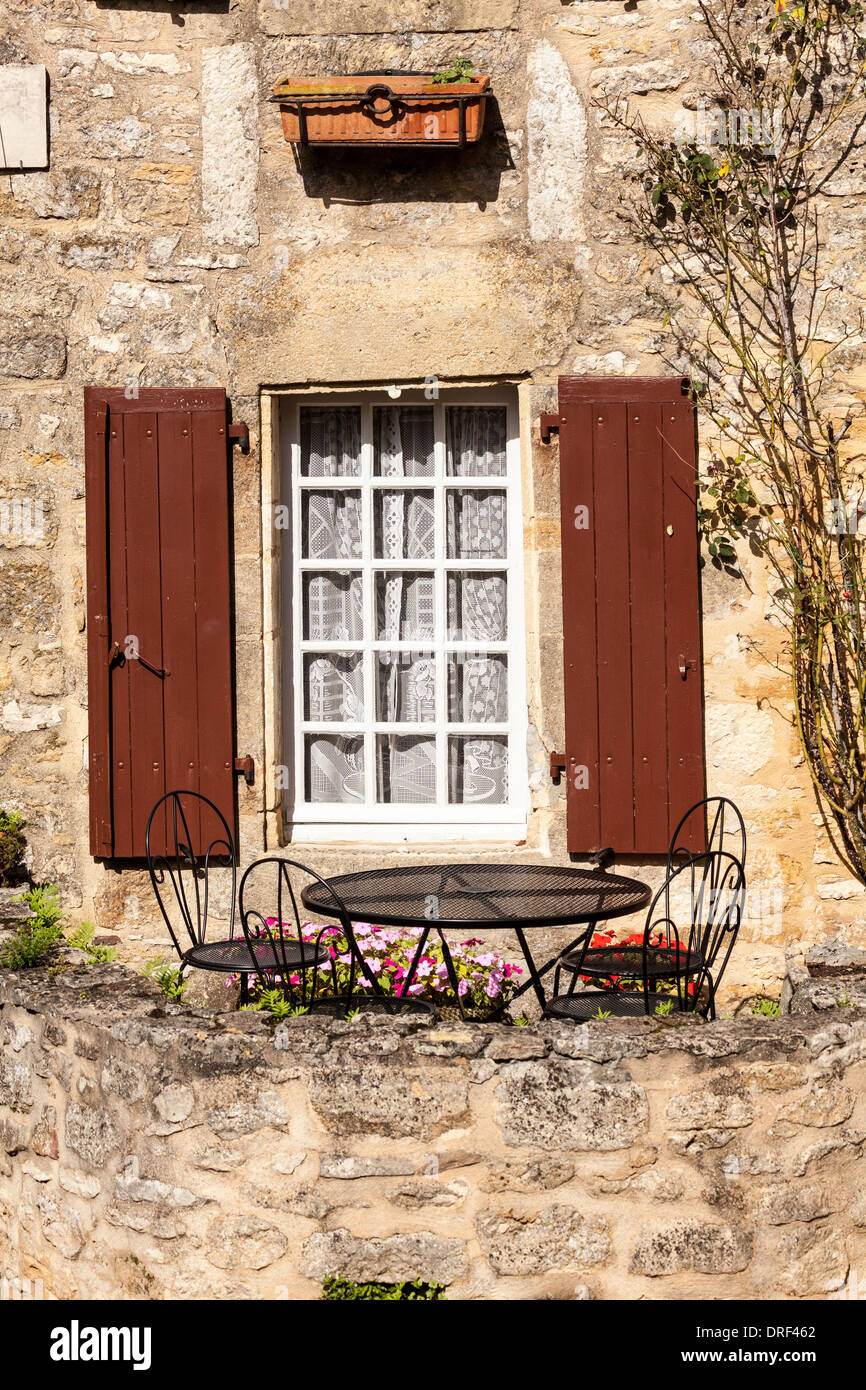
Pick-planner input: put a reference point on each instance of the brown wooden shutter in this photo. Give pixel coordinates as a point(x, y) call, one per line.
point(158, 582)
point(634, 758)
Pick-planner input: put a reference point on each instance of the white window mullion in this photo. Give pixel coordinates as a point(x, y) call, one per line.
point(440, 608)
point(369, 602)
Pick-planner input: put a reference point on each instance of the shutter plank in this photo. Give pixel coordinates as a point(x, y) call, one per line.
point(580, 633)
point(213, 616)
point(683, 606)
point(96, 419)
point(120, 722)
point(613, 612)
point(646, 543)
point(144, 619)
point(178, 606)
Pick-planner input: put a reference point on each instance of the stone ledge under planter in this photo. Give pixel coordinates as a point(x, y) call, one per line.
point(148, 1150)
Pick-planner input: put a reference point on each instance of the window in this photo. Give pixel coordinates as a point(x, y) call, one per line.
point(404, 567)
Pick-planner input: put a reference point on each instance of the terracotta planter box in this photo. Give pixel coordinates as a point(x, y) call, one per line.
point(385, 108)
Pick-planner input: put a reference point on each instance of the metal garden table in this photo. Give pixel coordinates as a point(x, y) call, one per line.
point(483, 897)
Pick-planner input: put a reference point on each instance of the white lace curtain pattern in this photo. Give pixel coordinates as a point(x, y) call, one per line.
point(476, 603)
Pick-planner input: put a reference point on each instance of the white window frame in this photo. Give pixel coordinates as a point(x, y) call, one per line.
point(404, 821)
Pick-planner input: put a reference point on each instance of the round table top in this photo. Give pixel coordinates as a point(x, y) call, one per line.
point(481, 895)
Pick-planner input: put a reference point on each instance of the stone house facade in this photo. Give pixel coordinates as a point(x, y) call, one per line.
point(175, 241)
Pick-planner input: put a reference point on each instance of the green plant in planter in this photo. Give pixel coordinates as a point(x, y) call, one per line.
point(169, 979)
point(346, 1290)
point(12, 846)
point(461, 70)
point(37, 937)
point(82, 940)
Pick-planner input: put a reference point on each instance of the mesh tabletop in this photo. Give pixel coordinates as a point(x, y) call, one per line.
point(481, 895)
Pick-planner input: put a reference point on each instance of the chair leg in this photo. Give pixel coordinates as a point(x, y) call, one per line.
point(245, 987)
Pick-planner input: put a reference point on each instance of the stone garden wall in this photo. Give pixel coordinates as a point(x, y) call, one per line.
point(150, 1152)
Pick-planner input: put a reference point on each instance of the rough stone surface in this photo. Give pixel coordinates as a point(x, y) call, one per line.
point(656, 1157)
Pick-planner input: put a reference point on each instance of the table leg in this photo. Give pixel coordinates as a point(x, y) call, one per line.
point(535, 974)
point(415, 961)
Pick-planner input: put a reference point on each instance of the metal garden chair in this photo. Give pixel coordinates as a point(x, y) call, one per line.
point(180, 874)
point(300, 961)
point(705, 892)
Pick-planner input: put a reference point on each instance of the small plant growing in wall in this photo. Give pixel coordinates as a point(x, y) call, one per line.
point(12, 846)
point(39, 935)
point(169, 979)
point(82, 940)
point(416, 1290)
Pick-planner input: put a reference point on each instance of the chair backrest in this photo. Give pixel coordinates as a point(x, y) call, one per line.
point(179, 871)
point(698, 909)
point(277, 930)
point(717, 818)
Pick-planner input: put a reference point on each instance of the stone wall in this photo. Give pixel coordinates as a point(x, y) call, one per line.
point(175, 240)
point(147, 1151)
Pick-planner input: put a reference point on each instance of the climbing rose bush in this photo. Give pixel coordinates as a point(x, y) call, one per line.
point(485, 979)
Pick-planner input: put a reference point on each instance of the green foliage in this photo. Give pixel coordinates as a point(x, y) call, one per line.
point(275, 1003)
point(346, 1290)
point(461, 70)
point(169, 979)
point(37, 937)
point(12, 845)
point(82, 940)
point(843, 1001)
point(664, 1008)
point(600, 1015)
point(521, 1022)
point(766, 1008)
point(732, 512)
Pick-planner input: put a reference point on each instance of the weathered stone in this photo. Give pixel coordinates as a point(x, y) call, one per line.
point(814, 1261)
point(557, 1238)
point(420, 1255)
point(230, 1121)
point(123, 1079)
point(16, 1083)
point(517, 1046)
point(174, 1103)
point(558, 1105)
point(31, 350)
point(834, 959)
point(783, 1202)
point(825, 1105)
point(530, 1175)
point(673, 1246)
point(90, 1133)
point(424, 1192)
point(368, 1099)
point(244, 1242)
point(710, 1110)
point(349, 1166)
point(230, 145)
point(61, 1227)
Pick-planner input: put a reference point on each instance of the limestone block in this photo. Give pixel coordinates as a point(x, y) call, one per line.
point(31, 350)
point(368, 1099)
point(672, 1246)
point(557, 1105)
point(379, 17)
point(91, 1134)
point(244, 1242)
point(558, 1237)
point(421, 1255)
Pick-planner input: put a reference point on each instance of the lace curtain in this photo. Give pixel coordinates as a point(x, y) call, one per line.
point(476, 604)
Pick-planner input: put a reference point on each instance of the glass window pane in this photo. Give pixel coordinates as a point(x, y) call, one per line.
point(405, 688)
point(477, 689)
point(330, 441)
point(475, 438)
point(477, 607)
point(405, 769)
point(405, 606)
point(333, 607)
point(403, 525)
point(403, 441)
point(334, 687)
point(476, 522)
point(477, 770)
point(333, 768)
point(331, 525)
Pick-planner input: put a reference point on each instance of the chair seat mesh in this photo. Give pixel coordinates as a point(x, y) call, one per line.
point(662, 962)
point(580, 1008)
point(371, 1003)
point(236, 955)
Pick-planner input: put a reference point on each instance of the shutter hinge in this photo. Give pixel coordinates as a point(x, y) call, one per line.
point(240, 434)
point(557, 765)
point(247, 767)
point(547, 424)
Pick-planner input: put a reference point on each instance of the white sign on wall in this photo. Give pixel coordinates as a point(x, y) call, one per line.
point(23, 117)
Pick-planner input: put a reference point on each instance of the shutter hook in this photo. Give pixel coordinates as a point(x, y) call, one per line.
point(117, 656)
